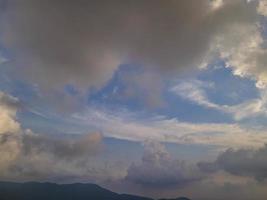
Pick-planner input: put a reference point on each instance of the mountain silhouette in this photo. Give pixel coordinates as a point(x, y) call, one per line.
point(52, 191)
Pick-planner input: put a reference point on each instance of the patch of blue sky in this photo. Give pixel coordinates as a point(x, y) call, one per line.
point(257, 123)
point(4, 80)
point(135, 150)
point(71, 90)
point(187, 111)
point(228, 89)
point(24, 91)
point(264, 29)
point(192, 152)
point(131, 149)
point(114, 94)
point(174, 107)
point(4, 53)
point(234, 90)
point(5, 66)
point(50, 124)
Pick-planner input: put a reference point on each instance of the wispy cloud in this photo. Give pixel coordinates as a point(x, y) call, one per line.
point(132, 126)
point(196, 91)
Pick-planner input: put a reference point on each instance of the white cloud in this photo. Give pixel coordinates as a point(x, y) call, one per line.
point(132, 126)
point(159, 169)
point(243, 50)
point(262, 7)
point(8, 110)
point(241, 45)
point(196, 92)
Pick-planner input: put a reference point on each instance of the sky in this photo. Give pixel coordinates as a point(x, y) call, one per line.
point(150, 97)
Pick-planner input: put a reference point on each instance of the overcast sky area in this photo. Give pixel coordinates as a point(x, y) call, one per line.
point(161, 98)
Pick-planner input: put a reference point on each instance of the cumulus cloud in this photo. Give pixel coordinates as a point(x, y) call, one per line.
point(29, 156)
point(245, 55)
point(262, 7)
point(242, 162)
point(159, 169)
point(8, 107)
point(70, 158)
point(82, 42)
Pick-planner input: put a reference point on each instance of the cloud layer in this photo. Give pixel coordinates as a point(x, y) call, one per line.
point(82, 42)
point(133, 126)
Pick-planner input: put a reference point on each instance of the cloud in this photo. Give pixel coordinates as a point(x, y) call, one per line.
point(29, 156)
point(123, 124)
point(242, 162)
point(196, 92)
point(262, 7)
point(143, 85)
point(246, 58)
point(66, 148)
point(2, 59)
point(8, 107)
point(83, 42)
point(210, 189)
point(159, 169)
point(70, 158)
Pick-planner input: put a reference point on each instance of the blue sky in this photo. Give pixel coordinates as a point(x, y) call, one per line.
point(154, 103)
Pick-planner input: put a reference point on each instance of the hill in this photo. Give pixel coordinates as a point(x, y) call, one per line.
point(52, 191)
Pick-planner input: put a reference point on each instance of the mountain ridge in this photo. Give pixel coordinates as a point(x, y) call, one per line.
point(54, 191)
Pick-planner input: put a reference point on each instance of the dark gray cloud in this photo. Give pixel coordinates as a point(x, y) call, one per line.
point(55, 42)
point(142, 85)
point(62, 147)
point(159, 169)
point(243, 162)
point(31, 156)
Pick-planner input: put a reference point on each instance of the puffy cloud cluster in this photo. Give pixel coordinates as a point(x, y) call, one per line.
point(262, 7)
point(159, 169)
point(8, 108)
point(230, 176)
point(242, 162)
point(49, 158)
point(29, 156)
point(82, 42)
